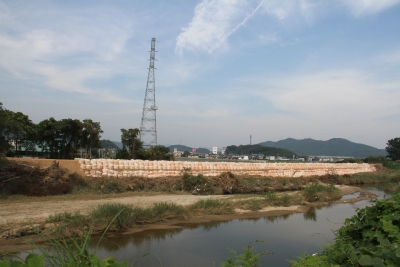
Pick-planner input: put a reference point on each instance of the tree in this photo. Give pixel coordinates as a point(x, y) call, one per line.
point(49, 137)
point(393, 148)
point(4, 145)
point(19, 131)
point(91, 135)
point(156, 153)
point(185, 154)
point(131, 142)
point(70, 134)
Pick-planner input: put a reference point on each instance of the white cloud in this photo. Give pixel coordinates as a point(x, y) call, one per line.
point(213, 22)
point(344, 95)
point(368, 7)
point(279, 9)
point(63, 54)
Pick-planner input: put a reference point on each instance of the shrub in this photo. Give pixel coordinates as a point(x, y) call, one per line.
point(196, 183)
point(112, 187)
point(394, 165)
point(369, 238)
point(372, 160)
point(248, 258)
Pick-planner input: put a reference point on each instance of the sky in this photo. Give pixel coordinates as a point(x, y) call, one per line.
point(225, 69)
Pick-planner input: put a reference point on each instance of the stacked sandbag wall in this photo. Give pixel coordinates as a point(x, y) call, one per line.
point(155, 169)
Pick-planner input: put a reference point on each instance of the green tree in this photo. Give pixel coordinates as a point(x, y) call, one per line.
point(156, 153)
point(185, 154)
point(20, 131)
point(122, 154)
point(131, 142)
point(91, 135)
point(4, 145)
point(49, 137)
point(393, 148)
point(70, 134)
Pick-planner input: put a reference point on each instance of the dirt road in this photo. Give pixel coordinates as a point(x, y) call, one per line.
point(14, 214)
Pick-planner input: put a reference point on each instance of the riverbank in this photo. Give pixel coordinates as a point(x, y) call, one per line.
point(18, 215)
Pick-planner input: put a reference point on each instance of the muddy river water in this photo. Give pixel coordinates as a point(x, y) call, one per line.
point(208, 244)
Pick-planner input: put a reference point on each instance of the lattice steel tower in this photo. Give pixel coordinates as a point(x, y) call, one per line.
point(148, 128)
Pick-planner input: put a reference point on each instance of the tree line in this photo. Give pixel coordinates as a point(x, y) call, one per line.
point(65, 138)
point(56, 138)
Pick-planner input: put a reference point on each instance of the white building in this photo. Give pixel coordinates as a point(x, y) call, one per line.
point(215, 150)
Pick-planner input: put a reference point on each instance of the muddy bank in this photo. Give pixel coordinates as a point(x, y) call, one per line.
point(20, 217)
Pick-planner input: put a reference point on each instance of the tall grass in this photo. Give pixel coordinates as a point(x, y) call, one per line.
point(71, 252)
point(319, 192)
point(103, 214)
point(212, 206)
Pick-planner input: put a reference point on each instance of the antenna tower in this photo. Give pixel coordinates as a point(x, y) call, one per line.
point(148, 129)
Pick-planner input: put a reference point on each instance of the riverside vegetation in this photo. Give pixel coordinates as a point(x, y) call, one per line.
point(76, 228)
point(370, 238)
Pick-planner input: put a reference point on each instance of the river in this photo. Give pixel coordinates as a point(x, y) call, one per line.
point(208, 244)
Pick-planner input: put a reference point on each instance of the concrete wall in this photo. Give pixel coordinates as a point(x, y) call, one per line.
point(154, 169)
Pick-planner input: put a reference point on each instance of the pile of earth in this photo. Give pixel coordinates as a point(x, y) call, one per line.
point(24, 179)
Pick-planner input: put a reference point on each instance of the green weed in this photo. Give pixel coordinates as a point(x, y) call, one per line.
point(112, 187)
point(248, 258)
point(212, 206)
point(319, 192)
point(104, 214)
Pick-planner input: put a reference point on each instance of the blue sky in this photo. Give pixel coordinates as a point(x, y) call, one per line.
point(226, 69)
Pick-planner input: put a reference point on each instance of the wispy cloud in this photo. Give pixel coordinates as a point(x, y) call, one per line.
point(213, 22)
point(368, 7)
point(63, 55)
point(337, 92)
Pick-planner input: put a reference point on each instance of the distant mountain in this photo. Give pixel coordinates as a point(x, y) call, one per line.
point(186, 148)
point(108, 144)
point(332, 147)
point(259, 149)
point(119, 144)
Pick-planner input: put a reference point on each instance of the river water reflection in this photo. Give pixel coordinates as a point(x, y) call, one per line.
point(207, 244)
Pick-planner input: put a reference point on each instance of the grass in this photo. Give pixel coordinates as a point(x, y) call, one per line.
point(319, 192)
point(129, 216)
point(306, 260)
point(269, 199)
point(66, 252)
point(212, 206)
point(105, 215)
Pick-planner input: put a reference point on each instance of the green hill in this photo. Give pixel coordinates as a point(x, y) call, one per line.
point(108, 144)
point(332, 147)
point(259, 149)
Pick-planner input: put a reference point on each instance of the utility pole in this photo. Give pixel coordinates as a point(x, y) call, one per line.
point(148, 128)
point(250, 139)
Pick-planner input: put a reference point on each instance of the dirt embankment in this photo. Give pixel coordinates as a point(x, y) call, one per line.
point(71, 165)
